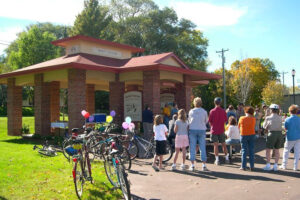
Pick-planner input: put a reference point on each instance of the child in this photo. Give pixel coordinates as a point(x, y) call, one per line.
point(182, 139)
point(233, 133)
point(160, 131)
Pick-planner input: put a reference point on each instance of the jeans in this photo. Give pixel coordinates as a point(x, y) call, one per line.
point(288, 145)
point(194, 136)
point(247, 142)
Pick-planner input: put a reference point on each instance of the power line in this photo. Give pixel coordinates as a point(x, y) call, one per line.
point(223, 63)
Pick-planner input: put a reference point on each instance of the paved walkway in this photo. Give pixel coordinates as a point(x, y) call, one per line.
point(220, 182)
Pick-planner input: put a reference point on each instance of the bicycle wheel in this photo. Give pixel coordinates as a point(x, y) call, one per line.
point(133, 149)
point(66, 143)
point(110, 171)
point(78, 178)
point(125, 158)
point(124, 184)
point(169, 152)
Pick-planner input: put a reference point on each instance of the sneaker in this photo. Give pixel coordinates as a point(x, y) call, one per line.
point(242, 168)
point(182, 167)
point(217, 162)
point(192, 168)
point(173, 167)
point(267, 168)
point(204, 168)
point(282, 167)
point(295, 169)
point(275, 168)
point(155, 168)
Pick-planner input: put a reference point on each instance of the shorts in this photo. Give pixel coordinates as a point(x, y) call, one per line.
point(181, 141)
point(274, 140)
point(218, 138)
point(160, 147)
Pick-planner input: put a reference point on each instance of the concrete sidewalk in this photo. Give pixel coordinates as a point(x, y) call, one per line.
point(220, 182)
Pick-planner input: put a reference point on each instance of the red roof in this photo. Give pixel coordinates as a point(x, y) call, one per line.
point(100, 63)
point(63, 43)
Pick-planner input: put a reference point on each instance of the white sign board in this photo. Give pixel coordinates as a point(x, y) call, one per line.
point(166, 98)
point(107, 52)
point(133, 105)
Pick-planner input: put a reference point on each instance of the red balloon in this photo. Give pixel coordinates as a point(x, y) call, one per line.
point(87, 115)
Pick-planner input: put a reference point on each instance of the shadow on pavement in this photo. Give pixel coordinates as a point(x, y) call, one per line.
point(138, 172)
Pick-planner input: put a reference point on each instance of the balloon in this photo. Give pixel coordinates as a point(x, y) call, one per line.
point(109, 119)
point(131, 126)
point(87, 115)
point(125, 125)
point(128, 120)
point(83, 112)
point(112, 113)
point(91, 118)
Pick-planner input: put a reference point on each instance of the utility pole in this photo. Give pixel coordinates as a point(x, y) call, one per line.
point(223, 63)
point(283, 73)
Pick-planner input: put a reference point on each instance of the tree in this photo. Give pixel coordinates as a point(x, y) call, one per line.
point(273, 93)
point(251, 76)
point(33, 46)
point(92, 21)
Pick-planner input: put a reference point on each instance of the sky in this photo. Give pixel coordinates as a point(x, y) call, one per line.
point(248, 28)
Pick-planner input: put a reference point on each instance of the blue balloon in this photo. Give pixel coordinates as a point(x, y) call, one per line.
point(128, 120)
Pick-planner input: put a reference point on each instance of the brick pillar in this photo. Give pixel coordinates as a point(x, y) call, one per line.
point(116, 99)
point(151, 90)
point(54, 100)
point(14, 108)
point(42, 113)
point(183, 94)
point(76, 97)
point(90, 98)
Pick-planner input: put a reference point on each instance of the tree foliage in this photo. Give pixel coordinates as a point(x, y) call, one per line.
point(32, 47)
point(273, 93)
point(92, 21)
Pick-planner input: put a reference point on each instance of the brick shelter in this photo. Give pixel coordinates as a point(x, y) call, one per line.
point(93, 64)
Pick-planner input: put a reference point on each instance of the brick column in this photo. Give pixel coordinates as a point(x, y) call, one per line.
point(90, 98)
point(151, 90)
point(14, 108)
point(76, 97)
point(54, 100)
point(116, 99)
point(183, 94)
point(41, 105)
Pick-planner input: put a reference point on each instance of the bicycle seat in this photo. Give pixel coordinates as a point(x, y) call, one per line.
point(114, 151)
point(75, 130)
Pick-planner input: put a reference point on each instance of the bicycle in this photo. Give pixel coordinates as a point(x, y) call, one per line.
point(47, 150)
point(81, 162)
point(149, 147)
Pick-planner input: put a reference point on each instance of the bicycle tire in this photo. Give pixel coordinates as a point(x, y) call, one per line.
point(110, 171)
point(78, 178)
point(125, 158)
point(66, 143)
point(133, 150)
point(169, 151)
point(123, 181)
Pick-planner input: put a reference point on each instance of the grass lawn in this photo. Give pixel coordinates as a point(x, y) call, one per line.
point(25, 174)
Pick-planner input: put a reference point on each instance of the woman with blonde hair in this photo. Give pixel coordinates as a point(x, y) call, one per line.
point(181, 139)
point(198, 119)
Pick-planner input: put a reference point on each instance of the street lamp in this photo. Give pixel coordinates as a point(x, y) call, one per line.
point(293, 74)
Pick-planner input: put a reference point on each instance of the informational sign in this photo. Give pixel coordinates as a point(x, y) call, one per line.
point(133, 105)
point(107, 52)
point(166, 98)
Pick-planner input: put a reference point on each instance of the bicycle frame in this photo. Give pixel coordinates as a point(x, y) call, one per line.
point(146, 145)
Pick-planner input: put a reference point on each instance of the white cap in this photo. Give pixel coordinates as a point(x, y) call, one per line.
point(274, 106)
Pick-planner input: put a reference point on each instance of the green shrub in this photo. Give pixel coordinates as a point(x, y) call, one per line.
point(25, 129)
point(3, 111)
point(27, 111)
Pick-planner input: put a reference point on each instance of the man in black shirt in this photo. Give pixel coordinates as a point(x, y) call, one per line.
point(148, 123)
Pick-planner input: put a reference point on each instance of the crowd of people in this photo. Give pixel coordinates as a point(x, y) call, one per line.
point(240, 127)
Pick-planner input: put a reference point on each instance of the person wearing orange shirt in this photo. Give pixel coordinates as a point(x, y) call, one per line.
point(247, 131)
